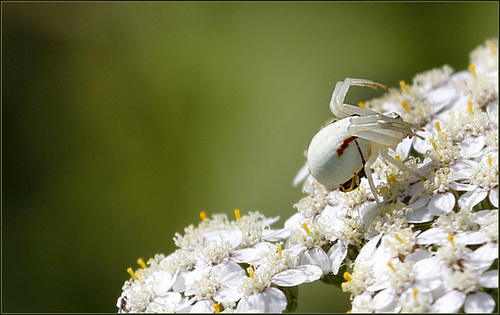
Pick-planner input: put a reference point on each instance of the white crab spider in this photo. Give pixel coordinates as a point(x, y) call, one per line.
point(344, 151)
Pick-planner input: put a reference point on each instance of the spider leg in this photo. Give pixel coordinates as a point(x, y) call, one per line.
point(342, 110)
point(390, 159)
point(368, 172)
point(381, 129)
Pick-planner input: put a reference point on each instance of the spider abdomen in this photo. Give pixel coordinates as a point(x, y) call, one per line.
point(335, 156)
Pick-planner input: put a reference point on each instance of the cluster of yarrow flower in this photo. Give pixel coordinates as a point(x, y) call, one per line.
point(429, 245)
point(221, 265)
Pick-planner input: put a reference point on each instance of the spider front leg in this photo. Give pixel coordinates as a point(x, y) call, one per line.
point(342, 110)
point(387, 131)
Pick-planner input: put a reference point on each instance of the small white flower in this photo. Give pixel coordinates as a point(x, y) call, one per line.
point(271, 300)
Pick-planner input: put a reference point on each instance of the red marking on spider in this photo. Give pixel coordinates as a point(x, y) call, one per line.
point(344, 145)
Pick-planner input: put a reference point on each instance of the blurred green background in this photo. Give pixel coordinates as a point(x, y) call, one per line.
point(122, 121)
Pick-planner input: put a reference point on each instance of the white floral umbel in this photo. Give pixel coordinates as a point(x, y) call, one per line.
point(220, 265)
point(432, 245)
point(429, 245)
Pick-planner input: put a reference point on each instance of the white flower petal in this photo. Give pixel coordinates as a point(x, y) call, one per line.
point(481, 217)
point(419, 203)
point(318, 257)
point(337, 254)
point(461, 186)
point(296, 276)
point(472, 198)
point(203, 306)
point(162, 282)
point(423, 146)
point(361, 302)
point(173, 298)
point(301, 175)
point(271, 300)
point(479, 302)
point(451, 302)
point(384, 298)
point(376, 287)
point(275, 235)
point(232, 237)
point(483, 257)
point(184, 306)
point(462, 169)
point(441, 97)
point(294, 223)
point(289, 278)
point(227, 294)
point(432, 236)
point(419, 215)
point(269, 221)
point(428, 273)
point(367, 251)
point(380, 268)
point(471, 237)
point(489, 279)
point(368, 211)
point(403, 148)
point(417, 255)
point(231, 272)
point(312, 272)
point(471, 147)
point(180, 282)
point(442, 203)
point(493, 197)
point(492, 109)
point(250, 254)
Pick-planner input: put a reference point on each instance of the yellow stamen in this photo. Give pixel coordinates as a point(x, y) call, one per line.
point(470, 108)
point(398, 157)
point(141, 263)
point(473, 70)
point(415, 292)
point(309, 170)
point(438, 127)
point(203, 215)
point(490, 160)
point(434, 145)
point(347, 276)
point(399, 239)
point(361, 104)
point(403, 86)
point(237, 214)
point(392, 267)
point(250, 271)
point(451, 239)
point(492, 48)
point(406, 106)
point(216, 308)
point(279, 250)
point(306, 228)
point(131, 273)
point(349, 312)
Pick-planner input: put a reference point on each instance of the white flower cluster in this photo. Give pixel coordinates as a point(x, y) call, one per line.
point(429, 245)
point(220, 266)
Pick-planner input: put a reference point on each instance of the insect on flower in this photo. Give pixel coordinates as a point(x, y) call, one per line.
point(343, 152)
